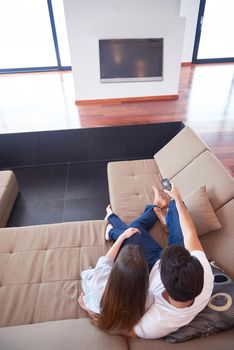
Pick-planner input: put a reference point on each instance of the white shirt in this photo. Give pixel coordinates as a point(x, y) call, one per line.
point(94, 283)
point(163, 318)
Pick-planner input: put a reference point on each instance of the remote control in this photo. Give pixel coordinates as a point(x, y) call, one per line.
point(166, 184)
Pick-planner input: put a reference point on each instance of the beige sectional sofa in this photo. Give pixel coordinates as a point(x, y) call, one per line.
point(40, 265)
point(188, 162)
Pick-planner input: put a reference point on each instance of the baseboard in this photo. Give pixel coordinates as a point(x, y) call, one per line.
point(127, 99)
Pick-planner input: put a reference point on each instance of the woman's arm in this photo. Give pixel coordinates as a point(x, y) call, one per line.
point(83, 306)
point(113, 251)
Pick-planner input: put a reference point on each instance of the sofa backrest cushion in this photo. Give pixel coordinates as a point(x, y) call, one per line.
point(179, 152)
point(201, 210)
point(206, 170)
point(219, 245)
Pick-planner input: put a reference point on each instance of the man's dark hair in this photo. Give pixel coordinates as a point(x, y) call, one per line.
point(181, 273)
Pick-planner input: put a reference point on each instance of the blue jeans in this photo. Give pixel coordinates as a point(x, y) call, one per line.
point(151, 249)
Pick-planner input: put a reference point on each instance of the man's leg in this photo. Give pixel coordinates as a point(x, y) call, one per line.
point(173, 223)
point(169, 218)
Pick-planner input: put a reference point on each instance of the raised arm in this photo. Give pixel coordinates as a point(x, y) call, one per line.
point(191, 240)
point(113, 251)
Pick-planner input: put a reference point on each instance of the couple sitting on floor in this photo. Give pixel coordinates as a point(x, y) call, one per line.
point(142, 289)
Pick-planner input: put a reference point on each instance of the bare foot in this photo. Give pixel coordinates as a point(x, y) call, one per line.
point(108, 228)
point(109, 211)
point(160, 199)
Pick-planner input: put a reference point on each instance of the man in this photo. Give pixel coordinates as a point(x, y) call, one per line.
point(182, 280)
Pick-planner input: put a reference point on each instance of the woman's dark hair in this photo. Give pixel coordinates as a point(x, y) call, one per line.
point(124, 298)
point(181, 273)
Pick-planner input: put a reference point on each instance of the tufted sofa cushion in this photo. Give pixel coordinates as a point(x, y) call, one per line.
point(131, 182)
point(40, 269)
point(130, 190)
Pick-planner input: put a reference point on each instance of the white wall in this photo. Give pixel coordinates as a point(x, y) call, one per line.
point(91, 20)
point(189, 10)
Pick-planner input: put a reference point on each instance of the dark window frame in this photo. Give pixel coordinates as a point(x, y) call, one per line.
point(197, 40)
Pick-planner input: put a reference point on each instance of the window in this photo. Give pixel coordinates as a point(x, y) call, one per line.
point(214, 34)
point(32, 36)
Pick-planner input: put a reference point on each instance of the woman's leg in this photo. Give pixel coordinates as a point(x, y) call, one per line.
point(113, 219)
point(116, 222)
point(149, 217)
point(146, 220)
point(114, 234)
point(151, 249)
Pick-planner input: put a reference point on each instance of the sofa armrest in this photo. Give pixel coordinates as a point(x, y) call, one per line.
point(8, 192)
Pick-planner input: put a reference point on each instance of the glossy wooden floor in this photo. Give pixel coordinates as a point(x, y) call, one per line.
point(46, 101)
point(206, 103)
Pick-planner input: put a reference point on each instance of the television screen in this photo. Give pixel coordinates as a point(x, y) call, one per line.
point(123, 60)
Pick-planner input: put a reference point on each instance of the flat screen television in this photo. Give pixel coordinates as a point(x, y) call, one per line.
point(126, 60)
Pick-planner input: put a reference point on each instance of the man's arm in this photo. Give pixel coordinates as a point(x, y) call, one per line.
point(191, 240)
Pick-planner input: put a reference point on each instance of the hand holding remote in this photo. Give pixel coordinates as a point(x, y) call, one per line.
point(174, 193)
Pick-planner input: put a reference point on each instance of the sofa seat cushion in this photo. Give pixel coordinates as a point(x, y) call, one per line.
point(130, 189)
point(8, 193)
point(130, 183)
point(59, 335)
point(40, 269)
